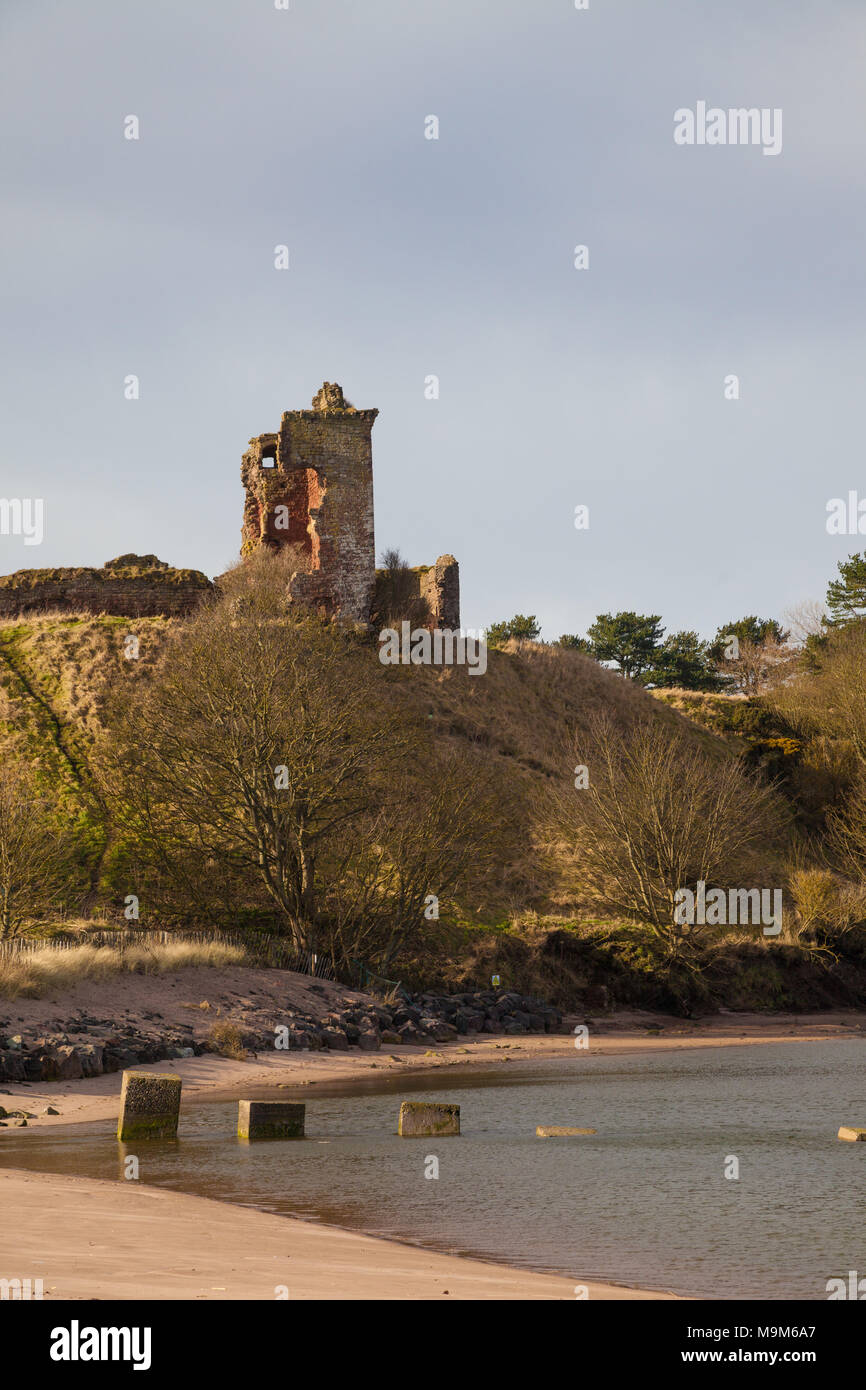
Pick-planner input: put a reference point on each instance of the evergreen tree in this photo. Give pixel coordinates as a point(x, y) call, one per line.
point(521, 628)
point(629, 639)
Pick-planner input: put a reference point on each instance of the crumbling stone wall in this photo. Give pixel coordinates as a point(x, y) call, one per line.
point(310, 485)
point(439, 584)
point(132, 586)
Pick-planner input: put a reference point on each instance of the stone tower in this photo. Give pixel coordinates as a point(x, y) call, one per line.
point(310, 487)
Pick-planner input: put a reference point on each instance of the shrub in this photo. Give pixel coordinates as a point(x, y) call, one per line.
point(658, 815)
point(226, 1039)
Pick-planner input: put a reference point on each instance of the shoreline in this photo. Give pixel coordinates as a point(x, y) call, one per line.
point(195, 1253)
point(209, 1075)
point(201, 1243)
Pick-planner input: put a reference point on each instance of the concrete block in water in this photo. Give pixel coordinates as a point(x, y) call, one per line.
point(270, 1119)
point(421, 1119)
point(149, 1105)
point(852, 1134)
point(557, 1131)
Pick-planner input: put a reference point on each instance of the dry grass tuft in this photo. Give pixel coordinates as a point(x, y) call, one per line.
point(226, 1039)
point(39, 970)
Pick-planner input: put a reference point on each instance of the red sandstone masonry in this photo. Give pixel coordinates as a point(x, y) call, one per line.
point(310, 486)
point(132, 586)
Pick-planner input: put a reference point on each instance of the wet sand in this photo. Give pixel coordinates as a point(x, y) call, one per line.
point(92, 1239)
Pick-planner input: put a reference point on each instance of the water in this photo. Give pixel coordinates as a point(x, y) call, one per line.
point(643, 1202)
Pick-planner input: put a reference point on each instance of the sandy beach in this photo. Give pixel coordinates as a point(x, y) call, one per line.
point(101, 1240)
point(93, 1239)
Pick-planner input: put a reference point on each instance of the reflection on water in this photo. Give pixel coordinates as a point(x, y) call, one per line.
point(644, 1201)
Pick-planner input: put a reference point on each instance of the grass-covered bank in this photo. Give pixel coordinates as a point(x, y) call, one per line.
point(254, 770)
point(597, 968)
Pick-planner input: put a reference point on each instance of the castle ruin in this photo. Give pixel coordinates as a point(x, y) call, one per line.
point(309, 486)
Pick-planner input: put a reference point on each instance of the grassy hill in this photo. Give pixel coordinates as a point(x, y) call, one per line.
point(55, 674)
point(516, 724)
point(57, 670)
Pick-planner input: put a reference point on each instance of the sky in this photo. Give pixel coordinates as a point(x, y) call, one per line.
point(410, 257)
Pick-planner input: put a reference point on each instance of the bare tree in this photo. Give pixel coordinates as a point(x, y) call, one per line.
point(397, 597)
point(830, 700)
point(657, 815)
point(806, 620)
point(433, 836)
point(759, 666)
point(269, 751)
point(32, 849)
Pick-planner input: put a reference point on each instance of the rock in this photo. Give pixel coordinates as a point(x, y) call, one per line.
point(852, 1134)
point(368, 1041)
point(11, 1066)
point(444, 1032)
point(407, 1013)
point(466, 1022)
point(91, 1056)
point(68, 1063)
point(559, 1131)
point(335, 1039)
point(22, 1124)
point(391, 1038)
point(49, 1110)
